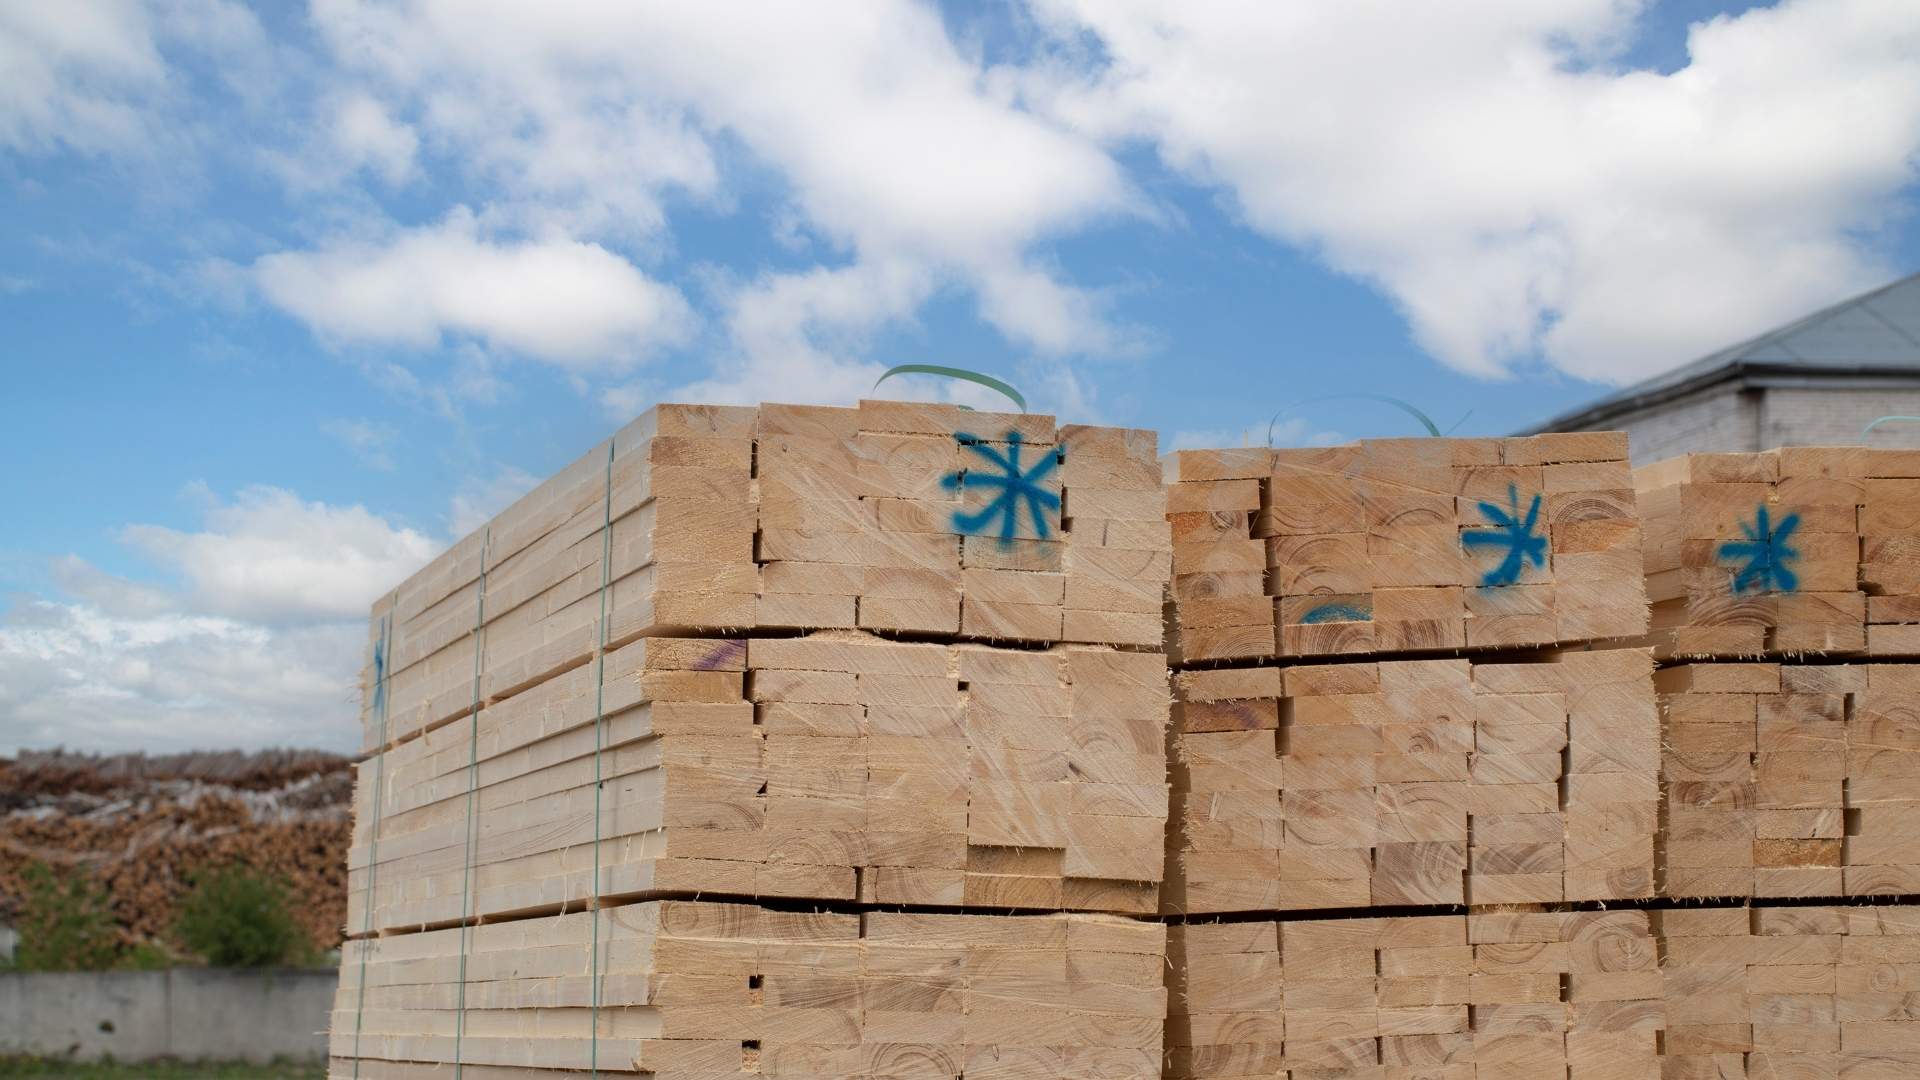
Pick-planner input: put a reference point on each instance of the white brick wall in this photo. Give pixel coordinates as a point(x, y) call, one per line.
point(1792, 417)
point(1718, 419)
point(1724, 419)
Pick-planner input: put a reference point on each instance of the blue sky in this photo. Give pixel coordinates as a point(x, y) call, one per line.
point(293, 295)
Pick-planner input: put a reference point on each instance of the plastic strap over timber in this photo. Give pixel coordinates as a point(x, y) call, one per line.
point(599, 718)
point(381, 648)
point(473, 775)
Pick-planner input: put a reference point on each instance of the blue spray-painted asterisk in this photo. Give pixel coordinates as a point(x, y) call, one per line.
point(1514, 533)
point(1335, 612)
point(1766, 552)
point(1017, 488)
point(380, 667)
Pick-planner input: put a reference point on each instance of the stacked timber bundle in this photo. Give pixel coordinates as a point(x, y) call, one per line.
point(834, 766)
point(882, 656)
point(695, 991)
point(1791, 992)
point(1508, 996)
point(1795, 550)
point(1395, 545)
point(1790, 780)
point(893, 517)
point(1414, 782)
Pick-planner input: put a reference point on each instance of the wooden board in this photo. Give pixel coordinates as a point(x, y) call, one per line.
point(1788, 552)
point(898, 517)
point(1414, 782)
point(691, 991)
point(831, 766)
point(1791, 992)
point(1514, 996)
point(1403, 545)
point(1790, 780)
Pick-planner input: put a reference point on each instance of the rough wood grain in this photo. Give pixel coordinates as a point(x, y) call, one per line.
point(1790, 780)
point(1801, 550)
point(1411, 782)
point(897, 517)
point(832, 766)
point(1522, 996)
point(690, 991)
point(1402, 545)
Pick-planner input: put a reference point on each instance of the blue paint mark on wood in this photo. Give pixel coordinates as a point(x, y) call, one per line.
point(1512, 531)
point(1018, 485)
point(1766, 552)
point(1326, 613)
point(380, 667)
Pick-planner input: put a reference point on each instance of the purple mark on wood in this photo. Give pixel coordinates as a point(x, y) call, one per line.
point(725, 654)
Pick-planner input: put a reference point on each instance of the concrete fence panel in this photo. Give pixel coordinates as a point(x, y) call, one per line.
point(186, 1013)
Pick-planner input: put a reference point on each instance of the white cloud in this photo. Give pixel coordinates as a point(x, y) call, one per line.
point(93, 77)
point(259, 645)
point(894, 146)
point(1291, 431)
point(572, 303)
point(803, 337)
point(363, 134)
point(75, 675)
point(1495, 173)
point(270, 555)
point(108, 593)
point(74, 75)
point(795, 335)
point(369, 441)
point(478, 501)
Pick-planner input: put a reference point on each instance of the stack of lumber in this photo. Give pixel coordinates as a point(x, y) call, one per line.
point(1414, 782)
point(833, 766)
point(1498, 996)
point(1790, 780)
point(1393, 545)
point(866, 658)
point(1795, 550)
point(696, 991)
point(1791, 992)
point(896, 517)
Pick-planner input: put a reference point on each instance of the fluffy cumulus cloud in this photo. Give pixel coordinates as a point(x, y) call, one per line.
point(1493, 169)
point(76, 74)
point(896, 158)
point(365, 135)
point(257, 643)
point(79, 676)
point(96, 78)
point(269, 554)
point(1498, 169)
point(479, 500)
point(558, 299)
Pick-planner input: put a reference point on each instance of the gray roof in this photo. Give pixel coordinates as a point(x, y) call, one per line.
point(1875, 334)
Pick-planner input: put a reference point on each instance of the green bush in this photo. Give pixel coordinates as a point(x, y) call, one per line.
point(237, 917)
point(65, 924)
